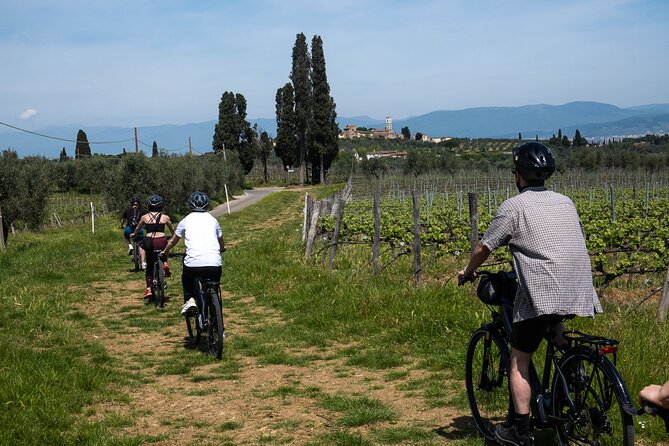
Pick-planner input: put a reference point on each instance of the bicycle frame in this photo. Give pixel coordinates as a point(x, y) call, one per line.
point(540, 402)
point(201, 288)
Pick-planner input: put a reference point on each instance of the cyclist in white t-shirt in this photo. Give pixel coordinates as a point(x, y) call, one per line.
point(204, 244)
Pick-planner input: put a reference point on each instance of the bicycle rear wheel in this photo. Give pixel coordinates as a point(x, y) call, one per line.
point(487, 381)
point(215, 329)
point(589, 406)
point(159, 280)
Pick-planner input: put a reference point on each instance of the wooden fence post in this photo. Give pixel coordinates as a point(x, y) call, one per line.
point(308, 204)
point(335, 238)
point(376, 245)
point(416, 237)
point(311, 236)
point(473, 218)
point(664, 302)
point(92, 218)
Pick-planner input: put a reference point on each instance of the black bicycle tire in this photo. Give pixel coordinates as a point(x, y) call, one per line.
point(194, 333)
point(159, 297)
point(598, 372)
point(484, 421)
point(135, 255)
point(215, 328)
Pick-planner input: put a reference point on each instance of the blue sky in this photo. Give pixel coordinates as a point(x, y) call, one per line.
point(136, 63)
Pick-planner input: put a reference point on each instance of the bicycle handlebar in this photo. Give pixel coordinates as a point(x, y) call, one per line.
point(653, 410)
point(475, 275)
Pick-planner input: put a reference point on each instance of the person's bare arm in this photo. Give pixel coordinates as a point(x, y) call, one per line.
point(170, 244)
point(221, 243)
point(479, 255)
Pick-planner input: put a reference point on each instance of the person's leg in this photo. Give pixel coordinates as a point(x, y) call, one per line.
point(188, 277)
point(159, 243)
point(126, 238)
point(525, 338)
point(519, 379)
point(149, 268)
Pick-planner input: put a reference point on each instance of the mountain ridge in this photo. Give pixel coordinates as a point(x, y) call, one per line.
point(595, 120)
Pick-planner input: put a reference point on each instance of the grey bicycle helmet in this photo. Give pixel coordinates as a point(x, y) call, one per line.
point(134, 200)
point(534, 161)
point(155, 203)
point(198, 201)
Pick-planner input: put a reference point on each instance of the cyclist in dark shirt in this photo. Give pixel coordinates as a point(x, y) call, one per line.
point(154, 222)
point(129, 221)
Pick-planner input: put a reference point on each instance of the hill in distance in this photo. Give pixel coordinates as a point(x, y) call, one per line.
point(593, 119)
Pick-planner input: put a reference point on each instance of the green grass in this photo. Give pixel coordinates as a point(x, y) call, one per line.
point(358, 411)
point(51, 367)
point(53, 371)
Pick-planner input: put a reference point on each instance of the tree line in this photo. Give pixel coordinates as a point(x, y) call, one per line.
point(26, 183)
point(650, 153)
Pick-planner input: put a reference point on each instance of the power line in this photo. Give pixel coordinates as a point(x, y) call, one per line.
point(161, 148)
point(62, 139)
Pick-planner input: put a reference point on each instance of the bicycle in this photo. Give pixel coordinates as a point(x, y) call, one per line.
point(158, 283)
point(209, 316)
point(581, 394)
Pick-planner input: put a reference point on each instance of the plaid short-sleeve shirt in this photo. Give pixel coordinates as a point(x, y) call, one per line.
point(546, 239)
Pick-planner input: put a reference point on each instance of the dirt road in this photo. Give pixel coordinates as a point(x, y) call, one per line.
point(250, 197)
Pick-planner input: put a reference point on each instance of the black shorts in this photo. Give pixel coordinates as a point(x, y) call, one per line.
point(527, 335)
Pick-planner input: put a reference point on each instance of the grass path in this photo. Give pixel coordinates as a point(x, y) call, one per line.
point(262, 392)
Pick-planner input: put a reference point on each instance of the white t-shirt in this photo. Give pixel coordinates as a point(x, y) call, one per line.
point(200, 231)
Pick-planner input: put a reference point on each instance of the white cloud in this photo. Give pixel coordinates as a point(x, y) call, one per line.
point(28, 114)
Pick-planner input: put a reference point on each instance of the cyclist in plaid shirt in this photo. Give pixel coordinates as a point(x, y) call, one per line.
point(546, 239)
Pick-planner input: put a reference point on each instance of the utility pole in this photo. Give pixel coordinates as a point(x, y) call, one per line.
point(2, 233)
point(136, 145)
point(190, 148)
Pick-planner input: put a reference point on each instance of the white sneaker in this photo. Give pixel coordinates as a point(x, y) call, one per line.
point(143, 265)
point(189, 308)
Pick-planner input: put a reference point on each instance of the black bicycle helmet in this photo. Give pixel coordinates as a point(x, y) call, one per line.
point(134, 200)
point(155, 203)
point(534, 161)
point(198, 201)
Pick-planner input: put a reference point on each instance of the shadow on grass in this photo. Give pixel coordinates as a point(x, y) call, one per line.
point(459, 429)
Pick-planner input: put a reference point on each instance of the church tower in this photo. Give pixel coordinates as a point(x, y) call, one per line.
point(389, 123)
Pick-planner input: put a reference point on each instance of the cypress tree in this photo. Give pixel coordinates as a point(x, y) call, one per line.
point(233, 130)
point(323, 130)
point(264, 151)
point(406, 133)
point(286, 142)
point(302, 86)
point(83, 148)
point(63, 155)
point(154, 150)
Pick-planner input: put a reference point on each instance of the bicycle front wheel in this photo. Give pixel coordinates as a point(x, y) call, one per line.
point(487, 381)
point(215, 330)
point(135, 255)
point(589, 402)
